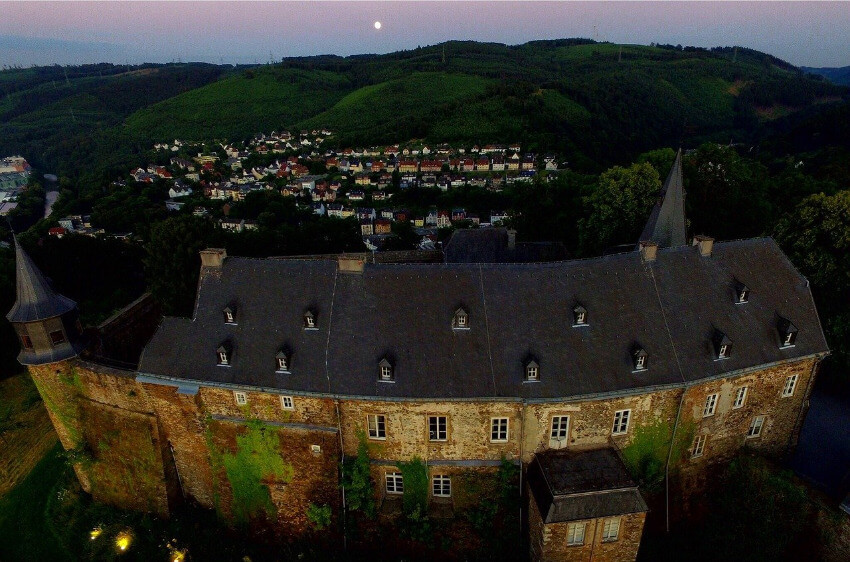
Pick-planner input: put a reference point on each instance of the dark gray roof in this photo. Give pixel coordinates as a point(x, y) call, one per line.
point(36, 299)
point(490, 245)
point(670, 308)
point(571, 486)
point(666, 224)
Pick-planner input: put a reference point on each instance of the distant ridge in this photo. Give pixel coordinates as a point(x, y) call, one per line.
point(840, 75)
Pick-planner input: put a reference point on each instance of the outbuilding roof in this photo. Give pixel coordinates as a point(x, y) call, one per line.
point(670, 307)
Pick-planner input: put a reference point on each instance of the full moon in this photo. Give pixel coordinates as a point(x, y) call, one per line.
point(377, 25)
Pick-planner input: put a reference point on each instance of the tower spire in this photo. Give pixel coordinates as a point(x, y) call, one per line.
point(46, 322)
point(666, 224)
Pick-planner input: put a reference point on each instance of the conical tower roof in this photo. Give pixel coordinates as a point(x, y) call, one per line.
point(36, 298)
point(666, 224)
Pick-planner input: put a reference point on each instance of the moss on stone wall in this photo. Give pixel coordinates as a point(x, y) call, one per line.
point(256, 461)
point(646, 455)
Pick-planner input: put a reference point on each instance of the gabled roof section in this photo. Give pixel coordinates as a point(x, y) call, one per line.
point(666, 224)
point(36, 298)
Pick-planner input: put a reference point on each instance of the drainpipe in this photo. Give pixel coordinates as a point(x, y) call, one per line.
point(667, 464)
point(521, 449)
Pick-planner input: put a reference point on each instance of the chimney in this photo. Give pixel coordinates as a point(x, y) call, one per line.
point(213, 257)
point(350, 264)
point(705, 244)
point(648, 249)
point(511, 239)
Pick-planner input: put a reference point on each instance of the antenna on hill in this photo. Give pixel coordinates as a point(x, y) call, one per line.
point(444, 54)
point(620, 56)
point(735, 55)
point(65, 70)
point(595, 34)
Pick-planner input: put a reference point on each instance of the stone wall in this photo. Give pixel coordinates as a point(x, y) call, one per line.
point(549, 541)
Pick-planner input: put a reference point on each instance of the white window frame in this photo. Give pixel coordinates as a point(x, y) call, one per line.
point(228, 316)
point(240, 397)
point(710, 405)
point(223, 359)
point(723, 352)
point(698, 447)
point(394, 483)
point(576, 533)
point(282, 365)
point(499, 430)
point(441, 434)
point(788, 341)
point(377, 430)
point(790, 386)
point(622, 418)
point(740, 398)
point(441, 486)
point(309, 322)
point(532, 373)
point(386, 373)
point(611, 529)
point(640, 363)
point(287, 403)
point(559, 431)
point(756, 427)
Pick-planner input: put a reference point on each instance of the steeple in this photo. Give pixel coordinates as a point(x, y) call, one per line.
point(46, 322)
point(666, 224)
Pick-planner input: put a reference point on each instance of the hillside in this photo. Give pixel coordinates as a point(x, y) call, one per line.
point(599, 103)
point(835, 75)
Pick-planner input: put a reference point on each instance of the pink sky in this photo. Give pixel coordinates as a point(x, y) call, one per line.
point(805, 33)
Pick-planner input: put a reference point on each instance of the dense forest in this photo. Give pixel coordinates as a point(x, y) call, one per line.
point(615, 112)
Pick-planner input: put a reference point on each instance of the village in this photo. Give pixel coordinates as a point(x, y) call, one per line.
point(334, 182)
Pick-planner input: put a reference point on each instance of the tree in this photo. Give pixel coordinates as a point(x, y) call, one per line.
point(172, 261)
point(816, 237)
point(619, 207)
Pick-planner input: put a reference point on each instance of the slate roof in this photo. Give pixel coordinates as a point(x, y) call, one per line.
point(36, 299)
point(490, 245)
point(666, 224)
point(571, 486)
point(670, 308)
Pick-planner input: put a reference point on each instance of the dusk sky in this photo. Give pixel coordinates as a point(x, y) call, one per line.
point(805, 33)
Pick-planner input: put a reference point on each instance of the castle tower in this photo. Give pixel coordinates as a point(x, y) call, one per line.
point(666, 224)
point(46, 322)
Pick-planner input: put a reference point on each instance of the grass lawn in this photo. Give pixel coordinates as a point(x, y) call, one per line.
point(24, 532)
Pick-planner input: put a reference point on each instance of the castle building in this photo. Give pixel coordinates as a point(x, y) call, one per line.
point(561, 368)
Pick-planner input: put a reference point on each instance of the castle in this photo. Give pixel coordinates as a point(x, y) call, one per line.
point(563, 368)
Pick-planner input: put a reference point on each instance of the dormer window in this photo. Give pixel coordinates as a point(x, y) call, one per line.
point(310, 320)
point(532, 370)
point(225, 355)
point(229, 314)
point(579, 316)
point(460, 320)
point(639, 359)
point(722, 345)
point(385, 371)
point(283, 360)
point(787, 333)
point(742, 293)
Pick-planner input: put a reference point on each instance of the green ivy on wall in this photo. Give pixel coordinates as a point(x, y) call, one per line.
point(357, 480)
point(646, 455)
point(415, 476)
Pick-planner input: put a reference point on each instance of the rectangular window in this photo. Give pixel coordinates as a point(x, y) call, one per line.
point(441, 486)
point(222, 358)
point(532, 373)
point(395, 483)
point(499, 430)
point(710, 405)
point(241, 398)
point(740, 397)
point(26, 342)
point(755, 426)
point(611, 529)
point(386, 373)
point(560, 428)
point(437, 428)
point(790, 385)
point(640, 363)
point(621, 422)
point(575, 534)
point(57, 337)
point(377, 426)
point(286, 402)
point(698, 447)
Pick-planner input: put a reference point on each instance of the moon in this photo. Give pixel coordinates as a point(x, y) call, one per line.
point(377, 25)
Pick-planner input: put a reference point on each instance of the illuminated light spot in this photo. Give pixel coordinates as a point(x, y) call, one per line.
point(96, 532)
point(123, 540)
point(377, 25)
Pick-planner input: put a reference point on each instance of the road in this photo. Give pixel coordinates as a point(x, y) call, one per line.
point(50, 199)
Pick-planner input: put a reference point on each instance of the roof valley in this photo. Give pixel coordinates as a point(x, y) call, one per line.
point(330, 327)
point(487, 329)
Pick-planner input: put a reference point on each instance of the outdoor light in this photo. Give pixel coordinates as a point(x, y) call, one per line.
point(122, 540)
point(96, 532)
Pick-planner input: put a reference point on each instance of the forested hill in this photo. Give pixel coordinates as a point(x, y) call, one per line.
point(598, 103)
point(835, 75)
